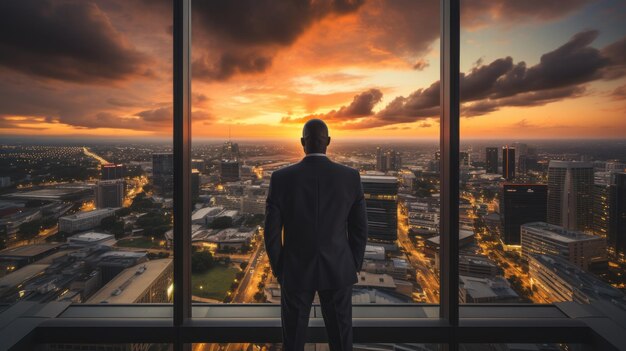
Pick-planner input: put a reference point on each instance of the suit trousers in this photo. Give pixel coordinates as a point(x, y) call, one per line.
point(337, 312)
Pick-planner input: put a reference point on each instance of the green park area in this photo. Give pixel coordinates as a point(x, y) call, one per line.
point(214, 282)
point(139, 242)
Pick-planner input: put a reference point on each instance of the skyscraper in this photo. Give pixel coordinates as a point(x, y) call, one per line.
point(163, 173)
point(112, 171)
point(381, 160)
point(617, 213)
point(381, 199)
point(570, 194)
point(492, 160)
point(393, 160)
point(520, 204)
point(508, 163)
point(195, 184)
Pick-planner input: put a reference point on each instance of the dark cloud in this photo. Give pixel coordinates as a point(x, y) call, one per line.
point(65, 40)
point(266, 22)
point(243, 36)
point(361, 106)
point(420, 65)
point(230, 64)
point(560, 74)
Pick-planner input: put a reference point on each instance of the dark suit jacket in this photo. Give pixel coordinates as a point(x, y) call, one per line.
point(321, 207)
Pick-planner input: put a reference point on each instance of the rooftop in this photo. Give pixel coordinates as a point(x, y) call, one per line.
point(131, 283)
point(557, 233)
point(378, 179)
point(28, 250)
point(87, 214)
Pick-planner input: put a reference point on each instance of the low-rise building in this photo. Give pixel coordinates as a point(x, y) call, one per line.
point(84, 220)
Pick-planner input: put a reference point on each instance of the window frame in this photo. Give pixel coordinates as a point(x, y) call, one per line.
point(60, 322)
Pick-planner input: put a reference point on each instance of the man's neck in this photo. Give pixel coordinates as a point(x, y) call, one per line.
point(315, 154)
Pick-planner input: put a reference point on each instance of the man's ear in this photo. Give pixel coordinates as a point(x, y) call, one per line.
point(302, 141)
point(328, 141)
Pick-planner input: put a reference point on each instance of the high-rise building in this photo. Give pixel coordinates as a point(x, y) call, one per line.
point(464, 158)
point(110, 193)
point(230, 151)
point(195, 183)
point(527, 163)
point(229, 171)
point(491, 160)
point(617, 213)
point(163, 173)
point(381, 160)
point(112, 171)
point(520, 204)
point(508, 162)
point(381, 198)
point(570, 194)
point(583, 250)
point(394, 160)
point(600, 211)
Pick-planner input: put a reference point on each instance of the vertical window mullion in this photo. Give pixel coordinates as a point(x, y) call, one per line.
point(449, 176)
point(182, 160)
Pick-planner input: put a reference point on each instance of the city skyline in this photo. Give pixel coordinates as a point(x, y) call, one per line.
point(264, 84)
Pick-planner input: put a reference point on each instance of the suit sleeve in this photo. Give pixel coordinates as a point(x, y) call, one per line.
point(273, 230)
point(357, 226)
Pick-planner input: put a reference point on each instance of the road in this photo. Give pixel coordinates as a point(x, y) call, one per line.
point(88, 152)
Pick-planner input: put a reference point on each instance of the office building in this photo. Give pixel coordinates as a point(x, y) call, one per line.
point(508, 163)
point(381, 160)
point(163, 173)
point(617, 214)
point(584, 250)
point(520, 204)
point(147, 282)
point(195, 183)
point(570, 194)
point(527, 163)
point(381, 197)
point(477, 266)
point(600, 213)
point(561, 281)
point(84, 220)
point(90, 239)
point(110, 193)
point(229, 171)
point(485, 290)
point(491, 160)
point(112, 171)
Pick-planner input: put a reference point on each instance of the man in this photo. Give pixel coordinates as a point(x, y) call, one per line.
point(319, 208)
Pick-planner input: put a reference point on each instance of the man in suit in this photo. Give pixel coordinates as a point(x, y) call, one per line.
point(315, 234)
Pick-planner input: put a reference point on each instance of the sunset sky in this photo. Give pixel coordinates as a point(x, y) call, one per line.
point(370, 68)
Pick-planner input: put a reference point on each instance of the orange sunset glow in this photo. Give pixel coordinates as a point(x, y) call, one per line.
point(369, 68)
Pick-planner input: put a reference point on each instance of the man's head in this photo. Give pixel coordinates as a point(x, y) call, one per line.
point(315, 137)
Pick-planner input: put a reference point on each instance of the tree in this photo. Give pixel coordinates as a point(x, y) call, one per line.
point(30, 229)
point(259, 296)
point(239, 275)
point(201, 261)
point(243, 265)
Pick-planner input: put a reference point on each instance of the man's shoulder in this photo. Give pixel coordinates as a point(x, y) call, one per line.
point(346, 169)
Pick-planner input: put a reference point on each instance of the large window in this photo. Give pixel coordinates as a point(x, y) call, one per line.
point(86, 153)
point(135, 162)
point(542, 154)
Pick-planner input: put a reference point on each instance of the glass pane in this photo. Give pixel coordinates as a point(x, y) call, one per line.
point(85, 109)
point(315, 347)
point(542, 153)
point(260, 71)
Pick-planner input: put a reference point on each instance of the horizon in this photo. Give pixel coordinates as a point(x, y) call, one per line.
point(262, 75)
